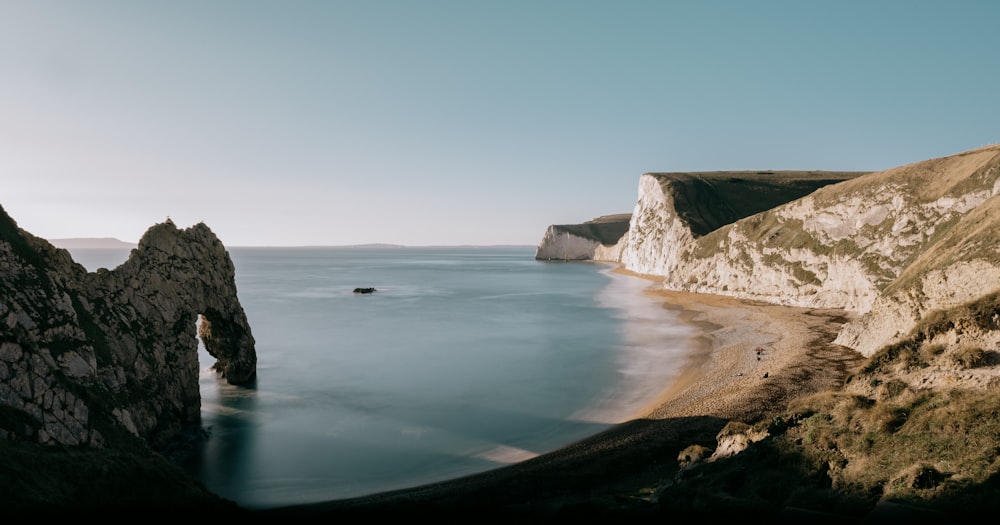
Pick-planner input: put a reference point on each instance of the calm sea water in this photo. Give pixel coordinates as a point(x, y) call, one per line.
point(464, 360)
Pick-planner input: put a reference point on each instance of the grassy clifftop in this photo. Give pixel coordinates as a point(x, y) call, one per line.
point(606, 229)
point(708, 200)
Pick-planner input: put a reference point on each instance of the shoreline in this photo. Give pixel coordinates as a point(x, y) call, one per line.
point(724, 372)
point(723, 379)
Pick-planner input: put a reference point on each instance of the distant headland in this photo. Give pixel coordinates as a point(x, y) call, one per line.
point(91, 242)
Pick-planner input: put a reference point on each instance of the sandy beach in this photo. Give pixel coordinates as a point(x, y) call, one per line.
point(727, 376)
point(747, 360)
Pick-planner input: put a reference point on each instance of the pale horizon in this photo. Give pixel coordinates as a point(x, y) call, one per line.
point(115, 243)
point(455, 123)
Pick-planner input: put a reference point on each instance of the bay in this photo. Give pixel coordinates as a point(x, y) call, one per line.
point(464, 359)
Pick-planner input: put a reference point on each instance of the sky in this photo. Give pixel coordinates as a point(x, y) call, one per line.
point(459, 122)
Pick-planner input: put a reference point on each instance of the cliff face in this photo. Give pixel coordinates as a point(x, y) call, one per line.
point(888, 246)
point(595, 239)
point(675, 209)
point(96, 358)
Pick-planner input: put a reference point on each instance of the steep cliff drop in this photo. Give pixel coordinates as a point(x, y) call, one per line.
point(675, 208)
point(888, 247)
point(587, 241)
point(100, 359)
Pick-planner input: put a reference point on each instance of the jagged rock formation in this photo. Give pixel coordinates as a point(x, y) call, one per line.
point(98, 358)
point(594, 239)
point(888, 246)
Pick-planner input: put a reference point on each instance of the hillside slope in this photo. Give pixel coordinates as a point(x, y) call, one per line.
point(888, 246)
point(590, 240)
point(912, 437)
point(702, 201)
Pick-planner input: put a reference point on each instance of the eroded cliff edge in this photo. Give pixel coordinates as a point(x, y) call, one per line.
point(594, 239)
point(106, 358)
point(888, 246)
point(700, 202)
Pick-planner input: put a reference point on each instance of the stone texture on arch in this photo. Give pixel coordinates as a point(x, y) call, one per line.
point(92, 357)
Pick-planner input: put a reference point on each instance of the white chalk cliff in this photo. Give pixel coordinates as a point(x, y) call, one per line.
point(887, 246)
point(596, 239)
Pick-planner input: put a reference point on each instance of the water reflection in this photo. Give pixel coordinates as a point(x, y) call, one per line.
point(231, 425)
point(228, 415)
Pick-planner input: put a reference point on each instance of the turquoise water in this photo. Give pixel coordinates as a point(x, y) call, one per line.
point(464, 359)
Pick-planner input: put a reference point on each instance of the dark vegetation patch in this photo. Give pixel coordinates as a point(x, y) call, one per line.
point(607, 230)
point(706, 201)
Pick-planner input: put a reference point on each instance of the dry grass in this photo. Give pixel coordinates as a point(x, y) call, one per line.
point(842, 452)
point(839, 453)
point(970, 357)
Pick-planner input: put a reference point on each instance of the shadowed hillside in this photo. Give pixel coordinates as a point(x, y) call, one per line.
point(607, 229)
point(708, 200)
point(701, 201)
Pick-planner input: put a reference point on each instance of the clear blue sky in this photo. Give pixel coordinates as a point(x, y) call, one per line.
point(459, 122)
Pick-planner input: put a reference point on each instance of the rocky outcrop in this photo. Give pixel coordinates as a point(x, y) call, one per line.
point(594, 239)
point(97, 358)
point(888, 246)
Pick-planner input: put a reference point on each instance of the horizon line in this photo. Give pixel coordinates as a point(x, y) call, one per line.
point(127, 244)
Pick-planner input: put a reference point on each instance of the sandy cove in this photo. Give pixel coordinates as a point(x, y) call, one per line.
point(727, 376)
point(722, 380)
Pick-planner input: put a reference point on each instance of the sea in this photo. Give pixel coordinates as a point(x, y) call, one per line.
point(463, 359)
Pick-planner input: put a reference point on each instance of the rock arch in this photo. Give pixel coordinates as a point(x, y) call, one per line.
point(172, 277)
point(87, 358)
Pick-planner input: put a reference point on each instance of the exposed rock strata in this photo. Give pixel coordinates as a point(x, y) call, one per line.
point(889, 246)
point(92, 358)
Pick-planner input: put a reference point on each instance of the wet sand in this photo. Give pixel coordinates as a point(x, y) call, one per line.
point(747, 360)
